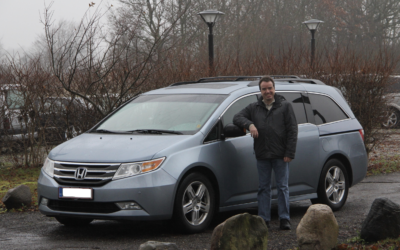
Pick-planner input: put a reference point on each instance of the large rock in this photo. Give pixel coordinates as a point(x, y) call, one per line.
point(18, 197)
point(383, 221)
point(155, 245)
point(242, 231)
point(318, 229)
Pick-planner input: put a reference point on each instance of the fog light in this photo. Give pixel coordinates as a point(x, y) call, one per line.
point(44, 202)
point(129, 206)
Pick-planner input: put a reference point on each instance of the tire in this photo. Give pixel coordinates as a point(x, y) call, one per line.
point(72, 221)
point(194, 204)
point(392, 118)
point(333, 186)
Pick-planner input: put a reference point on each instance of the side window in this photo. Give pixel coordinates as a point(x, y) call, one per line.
point(297, 103)
point(214, 133)
point(325, 109)
point(236, 108)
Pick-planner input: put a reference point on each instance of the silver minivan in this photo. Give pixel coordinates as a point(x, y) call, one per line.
point(173, 153)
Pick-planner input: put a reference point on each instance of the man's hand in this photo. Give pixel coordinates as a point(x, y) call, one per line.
point(287, 159)
point(253, 131)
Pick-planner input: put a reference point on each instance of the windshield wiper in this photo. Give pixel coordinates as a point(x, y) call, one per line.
point(155, 131)
point(106, 131)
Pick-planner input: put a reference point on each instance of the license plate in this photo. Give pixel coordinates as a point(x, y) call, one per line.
point(75, 193)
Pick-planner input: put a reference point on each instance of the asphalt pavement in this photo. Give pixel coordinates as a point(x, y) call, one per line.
point(32, 230)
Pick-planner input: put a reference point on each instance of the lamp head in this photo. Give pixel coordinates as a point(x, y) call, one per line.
point(313, 24)
point(210, 17)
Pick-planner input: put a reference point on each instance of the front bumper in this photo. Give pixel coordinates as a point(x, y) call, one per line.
point(154, 192)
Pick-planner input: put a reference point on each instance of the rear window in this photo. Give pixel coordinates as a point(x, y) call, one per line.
point(325, 110)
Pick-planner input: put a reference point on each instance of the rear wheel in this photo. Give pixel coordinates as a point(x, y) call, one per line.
point(72, 221)
point(392, 119)
point(195, 203)
point(333, 186)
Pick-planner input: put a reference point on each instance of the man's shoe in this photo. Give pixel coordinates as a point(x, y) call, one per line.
point(267, 223)
point(285, 224)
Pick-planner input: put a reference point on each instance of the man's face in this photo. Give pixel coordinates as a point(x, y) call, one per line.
point(267, 91)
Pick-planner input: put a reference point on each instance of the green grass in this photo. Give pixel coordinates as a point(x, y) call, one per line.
point(384, 165)
point(14, 176)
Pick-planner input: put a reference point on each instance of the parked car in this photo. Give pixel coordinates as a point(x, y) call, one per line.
point(174, 153)
point(14, 115)
point(392, 115)
point(62, 117)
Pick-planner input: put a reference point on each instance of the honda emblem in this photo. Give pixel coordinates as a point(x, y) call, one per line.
point(80, 173)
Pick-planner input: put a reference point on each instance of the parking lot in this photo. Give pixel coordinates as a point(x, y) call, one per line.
point(31, 230)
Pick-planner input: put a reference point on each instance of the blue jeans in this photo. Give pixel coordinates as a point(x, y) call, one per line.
point(281, 170)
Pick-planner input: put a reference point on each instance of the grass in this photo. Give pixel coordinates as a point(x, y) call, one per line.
point(11, 177)
point(357, 243)
point(384, 165)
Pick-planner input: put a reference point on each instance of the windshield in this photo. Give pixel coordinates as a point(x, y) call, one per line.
point(15, 99)
point(181, 113)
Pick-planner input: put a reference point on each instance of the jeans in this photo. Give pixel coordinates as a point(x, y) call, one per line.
point(281, 170)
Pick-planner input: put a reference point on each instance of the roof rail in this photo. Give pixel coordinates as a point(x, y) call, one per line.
point(182, 83)
point(290, 80)
point(233, 78)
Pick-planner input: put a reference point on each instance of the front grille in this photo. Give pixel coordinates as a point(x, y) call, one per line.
point(96, 174)
point(83, 206)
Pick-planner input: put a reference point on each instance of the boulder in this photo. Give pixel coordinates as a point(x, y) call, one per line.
point(383, 221)
point(242, 231)
point(17, 197)
point(155, 245)
point(318, 229)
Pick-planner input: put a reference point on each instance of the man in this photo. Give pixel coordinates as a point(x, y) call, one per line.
point(272, 124)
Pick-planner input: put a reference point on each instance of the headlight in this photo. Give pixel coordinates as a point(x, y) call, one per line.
point(135, 168)
point(48, 167)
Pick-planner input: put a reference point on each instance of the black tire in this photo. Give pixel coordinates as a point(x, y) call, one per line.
point(72, 221)
point(392, 119)
point(194, 213)
point(333, 186)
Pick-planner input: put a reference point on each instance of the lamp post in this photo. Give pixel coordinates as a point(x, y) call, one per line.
point(210, 17)
point(312, 25)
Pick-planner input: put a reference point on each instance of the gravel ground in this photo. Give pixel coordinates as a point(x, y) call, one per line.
point(31, 230)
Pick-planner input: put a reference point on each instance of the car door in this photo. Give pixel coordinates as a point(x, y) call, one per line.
point(240, 170)
point(304, 169)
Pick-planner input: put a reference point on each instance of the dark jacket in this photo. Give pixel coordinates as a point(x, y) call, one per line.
point(277, 128)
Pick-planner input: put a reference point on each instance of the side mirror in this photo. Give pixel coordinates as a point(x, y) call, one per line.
point(231, 130)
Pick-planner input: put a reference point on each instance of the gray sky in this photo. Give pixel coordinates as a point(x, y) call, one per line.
point(20, 19)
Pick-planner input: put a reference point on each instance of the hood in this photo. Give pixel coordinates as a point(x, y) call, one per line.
point(110, 148)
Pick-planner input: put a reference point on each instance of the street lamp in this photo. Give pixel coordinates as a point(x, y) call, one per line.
point(312, 25)
point(210, 17)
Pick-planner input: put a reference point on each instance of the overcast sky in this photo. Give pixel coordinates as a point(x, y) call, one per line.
point(20, 19)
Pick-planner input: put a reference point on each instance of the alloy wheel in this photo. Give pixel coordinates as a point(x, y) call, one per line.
point(392, 119)
point(196, 203)
point(335, 185)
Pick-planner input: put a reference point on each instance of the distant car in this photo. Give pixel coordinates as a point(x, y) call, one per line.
point(392, 114)
point(62, 116)
point(14, 115)
point(174, 153)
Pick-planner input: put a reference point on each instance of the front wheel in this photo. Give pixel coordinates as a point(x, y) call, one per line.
point(333, 186)
point(72, 221)
point(392, 118)
point(194, 203)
